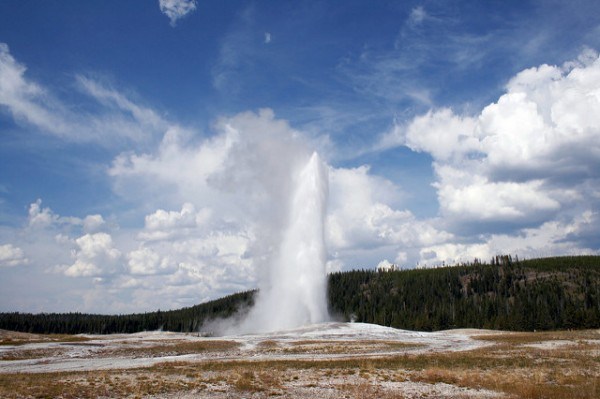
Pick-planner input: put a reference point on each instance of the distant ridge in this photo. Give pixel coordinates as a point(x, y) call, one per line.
point(506, 294)
point(180, 320)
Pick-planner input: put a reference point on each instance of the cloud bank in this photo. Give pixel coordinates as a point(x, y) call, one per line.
point(531, 157)
point(204, 212)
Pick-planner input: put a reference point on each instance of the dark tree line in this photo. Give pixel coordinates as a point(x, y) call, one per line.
point(181, 320)
point(506, 294)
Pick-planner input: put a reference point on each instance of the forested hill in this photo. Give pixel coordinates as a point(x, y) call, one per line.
point(182, 320)
point(539, 294)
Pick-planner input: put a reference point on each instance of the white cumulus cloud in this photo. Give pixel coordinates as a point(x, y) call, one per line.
point(163, 224)
point(93, 223)
point(524, 172)
point(146, 261)
point(552, 238)
point(525, 157)
point(11, 256)
point(365, 220)
point(39, 216)
point(176, 172)
point(95, 256)
point(176, 9)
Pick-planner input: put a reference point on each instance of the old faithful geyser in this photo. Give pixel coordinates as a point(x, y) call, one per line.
point(295, 291)
point(299, 277)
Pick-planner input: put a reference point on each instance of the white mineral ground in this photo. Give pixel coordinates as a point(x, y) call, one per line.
point(80, 356)
point(314, 343)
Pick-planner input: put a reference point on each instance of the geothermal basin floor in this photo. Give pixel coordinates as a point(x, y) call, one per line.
point(330, 360)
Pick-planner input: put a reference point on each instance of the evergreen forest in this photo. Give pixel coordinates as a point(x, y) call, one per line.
point(504, 293)
point(181, 320)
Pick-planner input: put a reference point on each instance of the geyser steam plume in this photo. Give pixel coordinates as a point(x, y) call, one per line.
point(295, 290)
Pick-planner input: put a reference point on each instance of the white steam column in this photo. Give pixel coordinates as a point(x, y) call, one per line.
point(295, 293)
point(299, 279)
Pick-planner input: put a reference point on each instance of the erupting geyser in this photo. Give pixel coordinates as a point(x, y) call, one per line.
point(298, 277)
point(295, 293)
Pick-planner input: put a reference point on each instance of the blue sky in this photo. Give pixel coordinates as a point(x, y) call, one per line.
point(146, 146)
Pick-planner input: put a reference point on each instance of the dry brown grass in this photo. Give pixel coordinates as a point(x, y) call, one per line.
point(169, 348)
point(246, 382)
point(434, 375)
point(348, 347)
point(369, 390)
point(113, 383)
point(507, 366)
point(522, 338)
point(125, 349)
point(269, 346)
point(523, 372)
point(17, 339)
point(25, 354)
point(250, 381)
